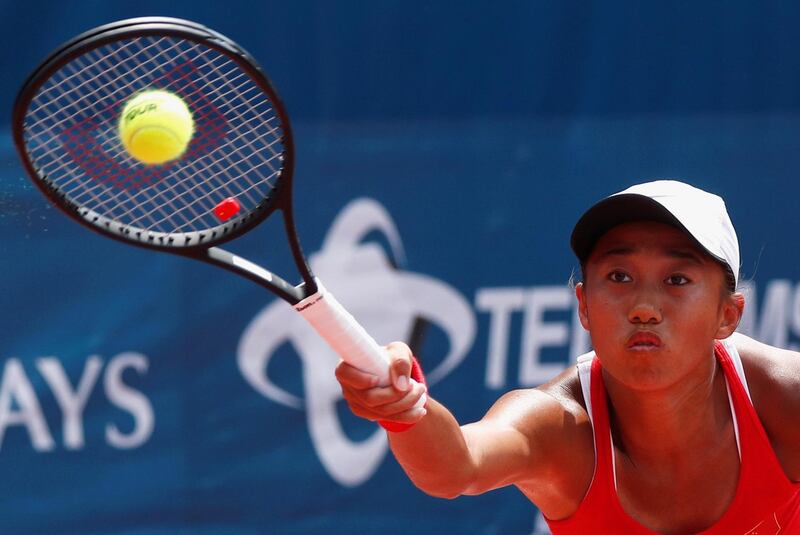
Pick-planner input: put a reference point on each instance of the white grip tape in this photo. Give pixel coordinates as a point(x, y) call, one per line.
point(344, 334)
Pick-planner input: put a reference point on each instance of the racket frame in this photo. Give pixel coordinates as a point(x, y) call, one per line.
point(199, 248)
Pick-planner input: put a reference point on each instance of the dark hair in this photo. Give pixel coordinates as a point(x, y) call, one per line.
point(730, 278)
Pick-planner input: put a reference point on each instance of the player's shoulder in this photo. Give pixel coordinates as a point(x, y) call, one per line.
point(566, 389)
point(553, 417)
point(551, 402)
point(767, 367)
point(773, 376)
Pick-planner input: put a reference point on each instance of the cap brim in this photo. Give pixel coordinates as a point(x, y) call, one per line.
point(613, 211)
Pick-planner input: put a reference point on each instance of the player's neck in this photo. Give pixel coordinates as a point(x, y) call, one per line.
point(663, 425)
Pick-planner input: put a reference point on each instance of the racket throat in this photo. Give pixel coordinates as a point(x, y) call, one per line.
point(254, 272)
point(309, 285)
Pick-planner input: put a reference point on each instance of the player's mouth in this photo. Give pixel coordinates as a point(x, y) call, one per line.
point(644, 341)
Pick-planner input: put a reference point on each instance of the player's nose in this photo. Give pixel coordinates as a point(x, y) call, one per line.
point(645, 309)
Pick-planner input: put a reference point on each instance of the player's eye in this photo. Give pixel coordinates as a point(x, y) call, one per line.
point(619, 276)
point(677, 280)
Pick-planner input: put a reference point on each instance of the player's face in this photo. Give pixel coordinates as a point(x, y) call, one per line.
point(653, 303)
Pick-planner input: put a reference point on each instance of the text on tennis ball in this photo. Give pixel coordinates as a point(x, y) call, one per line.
point(156, 127)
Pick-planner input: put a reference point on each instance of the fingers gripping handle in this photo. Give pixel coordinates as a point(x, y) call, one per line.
point(344, 334)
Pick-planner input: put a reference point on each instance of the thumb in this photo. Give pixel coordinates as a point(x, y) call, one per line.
point(400, 366)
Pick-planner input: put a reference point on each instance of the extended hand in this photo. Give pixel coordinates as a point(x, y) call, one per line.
point(394, 402)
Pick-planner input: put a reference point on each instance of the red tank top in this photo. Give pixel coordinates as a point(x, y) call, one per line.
point(766, 501)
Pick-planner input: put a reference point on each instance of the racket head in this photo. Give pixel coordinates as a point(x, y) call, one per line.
point(237, 170)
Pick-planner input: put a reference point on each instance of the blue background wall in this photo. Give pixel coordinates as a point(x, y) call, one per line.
point(481, 130)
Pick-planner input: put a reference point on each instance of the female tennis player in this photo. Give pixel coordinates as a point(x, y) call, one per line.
point(673, 424)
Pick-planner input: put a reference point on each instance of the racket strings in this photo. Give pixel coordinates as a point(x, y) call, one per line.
point(230, 165)
point(195, 179)
point(99, 61)
point(198, 184)
point(195, 182)
point(80, 106)
point(117, 87)
point(102, 185)
point(238, 150)
point(77, 97)
point(102, 196)
point(106, 195)
point(168, 204)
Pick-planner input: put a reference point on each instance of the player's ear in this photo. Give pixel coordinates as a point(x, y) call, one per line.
point(731, 314)
point(583, 311)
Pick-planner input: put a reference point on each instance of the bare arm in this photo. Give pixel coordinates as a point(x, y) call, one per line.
point(447, 460)
point(521, 440)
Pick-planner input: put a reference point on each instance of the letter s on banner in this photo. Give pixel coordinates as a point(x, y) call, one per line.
point(126, 398)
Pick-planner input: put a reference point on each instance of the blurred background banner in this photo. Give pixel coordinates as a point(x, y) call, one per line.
point(444, 152)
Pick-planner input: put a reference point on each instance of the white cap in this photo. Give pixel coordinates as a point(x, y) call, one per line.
point(700, 214)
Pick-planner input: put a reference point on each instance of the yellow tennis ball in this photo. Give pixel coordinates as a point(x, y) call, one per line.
point(156, 127)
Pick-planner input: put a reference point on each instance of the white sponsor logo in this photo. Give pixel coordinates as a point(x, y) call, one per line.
point(386, 301)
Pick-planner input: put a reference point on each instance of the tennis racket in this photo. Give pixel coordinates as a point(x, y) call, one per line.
point(236, 171)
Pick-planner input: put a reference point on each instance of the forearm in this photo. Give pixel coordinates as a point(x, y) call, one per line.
point(434, 453)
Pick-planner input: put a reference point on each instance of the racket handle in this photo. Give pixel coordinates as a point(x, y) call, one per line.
point(344, 334)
